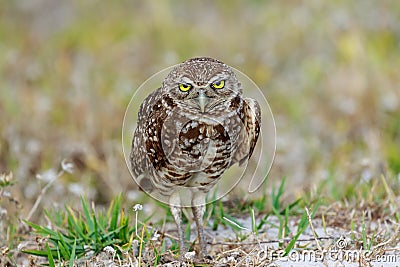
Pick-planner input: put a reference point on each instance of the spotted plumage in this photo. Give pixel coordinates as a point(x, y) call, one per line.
point(190, 131)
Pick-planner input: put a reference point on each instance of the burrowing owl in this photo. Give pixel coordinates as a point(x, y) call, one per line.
point(189, 131)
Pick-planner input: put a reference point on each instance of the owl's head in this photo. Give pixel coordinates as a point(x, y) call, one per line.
point(202, 83)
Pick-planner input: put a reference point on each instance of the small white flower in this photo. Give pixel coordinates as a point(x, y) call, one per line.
point(108, 249)
point(67, 166)
point(7, 178)
point(156, 235)
point(190, 255)
point(137, 207)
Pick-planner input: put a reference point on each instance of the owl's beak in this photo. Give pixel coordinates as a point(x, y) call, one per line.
point(202, 100)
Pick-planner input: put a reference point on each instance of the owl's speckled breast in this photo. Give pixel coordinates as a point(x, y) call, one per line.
point(199, 144)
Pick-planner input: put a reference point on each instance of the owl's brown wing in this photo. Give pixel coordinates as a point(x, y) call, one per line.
point(147, 152)
point(138, 156)
point(248, 137)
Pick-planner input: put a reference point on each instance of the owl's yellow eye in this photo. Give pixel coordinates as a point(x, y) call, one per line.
point(218, 85)
point(184, 87)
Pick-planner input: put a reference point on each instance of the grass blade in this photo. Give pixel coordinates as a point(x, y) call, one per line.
point(301, 227)
point(276, 198)
point(364, 233)
point(72, 259)
point(36, 252)
point(254, 228)
point(73, 221)
point(64, 250)
point(41, 229)
point(263, 221)
point(50, 256)
point(235, 225)
point(87, 214)
point(115, 208)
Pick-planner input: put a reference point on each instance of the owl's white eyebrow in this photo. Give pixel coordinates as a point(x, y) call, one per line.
point(216, 78)
point(187, 80)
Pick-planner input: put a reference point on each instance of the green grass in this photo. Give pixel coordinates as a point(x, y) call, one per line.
point(75, 233)
point(277, 206)
point(79, 233)
point(301, 227)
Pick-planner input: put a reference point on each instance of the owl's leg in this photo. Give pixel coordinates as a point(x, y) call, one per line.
point(198, 208)
point(176, 210)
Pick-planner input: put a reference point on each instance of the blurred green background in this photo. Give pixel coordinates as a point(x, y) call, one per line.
point(329, 69)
